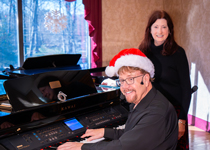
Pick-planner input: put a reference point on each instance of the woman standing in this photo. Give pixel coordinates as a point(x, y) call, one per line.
point(172, 77)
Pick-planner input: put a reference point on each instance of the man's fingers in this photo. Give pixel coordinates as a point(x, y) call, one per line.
point(89, 132)
point(91, 138)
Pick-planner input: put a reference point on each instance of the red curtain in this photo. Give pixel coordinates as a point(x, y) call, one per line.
point(93, 15)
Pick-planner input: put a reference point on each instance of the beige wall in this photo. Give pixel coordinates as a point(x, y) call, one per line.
point(192, 27)
point(123, 24)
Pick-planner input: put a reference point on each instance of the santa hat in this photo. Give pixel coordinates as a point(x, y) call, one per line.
point(130, 57)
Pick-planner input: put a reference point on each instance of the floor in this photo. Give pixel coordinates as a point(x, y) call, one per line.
point(198, 139)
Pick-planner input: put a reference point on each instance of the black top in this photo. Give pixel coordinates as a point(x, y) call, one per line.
point(152, 124)
point(172, 77)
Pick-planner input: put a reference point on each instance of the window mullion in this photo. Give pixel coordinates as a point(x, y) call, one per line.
point(20, 32)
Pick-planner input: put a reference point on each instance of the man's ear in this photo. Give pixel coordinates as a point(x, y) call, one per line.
point(146, 79)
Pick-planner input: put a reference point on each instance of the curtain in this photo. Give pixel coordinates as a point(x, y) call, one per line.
point(93, 15)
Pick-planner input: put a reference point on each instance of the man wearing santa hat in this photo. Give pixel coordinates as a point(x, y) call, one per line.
point(152, 121)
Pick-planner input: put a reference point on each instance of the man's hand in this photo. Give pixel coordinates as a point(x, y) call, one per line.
point(6, 125)
point(70, 146)
point(93, 134)
point(37, 116)
point(181, 124)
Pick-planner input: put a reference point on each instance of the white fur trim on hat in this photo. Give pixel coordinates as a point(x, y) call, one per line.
point(130, 57)
point(135, 61)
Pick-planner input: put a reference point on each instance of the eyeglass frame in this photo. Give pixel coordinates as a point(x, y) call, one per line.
point(118, 83)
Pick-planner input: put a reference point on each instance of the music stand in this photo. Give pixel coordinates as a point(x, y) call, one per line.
point(51, 61)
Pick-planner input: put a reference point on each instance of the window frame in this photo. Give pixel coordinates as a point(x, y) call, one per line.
point(20, 33)
point(20, 37)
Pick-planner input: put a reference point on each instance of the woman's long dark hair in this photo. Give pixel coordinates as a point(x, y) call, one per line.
point(170, 46)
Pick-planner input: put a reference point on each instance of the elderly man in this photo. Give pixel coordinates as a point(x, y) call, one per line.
point(152, 121)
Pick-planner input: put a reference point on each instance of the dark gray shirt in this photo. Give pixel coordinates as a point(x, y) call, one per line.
point(152, 125)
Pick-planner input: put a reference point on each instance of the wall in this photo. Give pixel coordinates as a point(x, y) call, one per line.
point(191, 20)
point(123, 24)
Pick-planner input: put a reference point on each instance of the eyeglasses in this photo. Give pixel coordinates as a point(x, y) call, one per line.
point(129, 81)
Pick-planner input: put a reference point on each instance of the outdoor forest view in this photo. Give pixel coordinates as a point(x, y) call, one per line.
point(49, 27)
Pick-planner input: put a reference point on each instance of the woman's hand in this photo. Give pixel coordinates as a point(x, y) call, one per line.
point(181, 124)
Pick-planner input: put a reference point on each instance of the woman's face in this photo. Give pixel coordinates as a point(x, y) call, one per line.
point(159, 31)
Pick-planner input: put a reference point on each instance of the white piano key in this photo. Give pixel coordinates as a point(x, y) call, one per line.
point(93, 141)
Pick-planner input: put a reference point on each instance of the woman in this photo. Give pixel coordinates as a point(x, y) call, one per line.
point(171, 68)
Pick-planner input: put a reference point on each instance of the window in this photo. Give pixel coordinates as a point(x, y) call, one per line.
point(49, 27)
point(8, 33)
